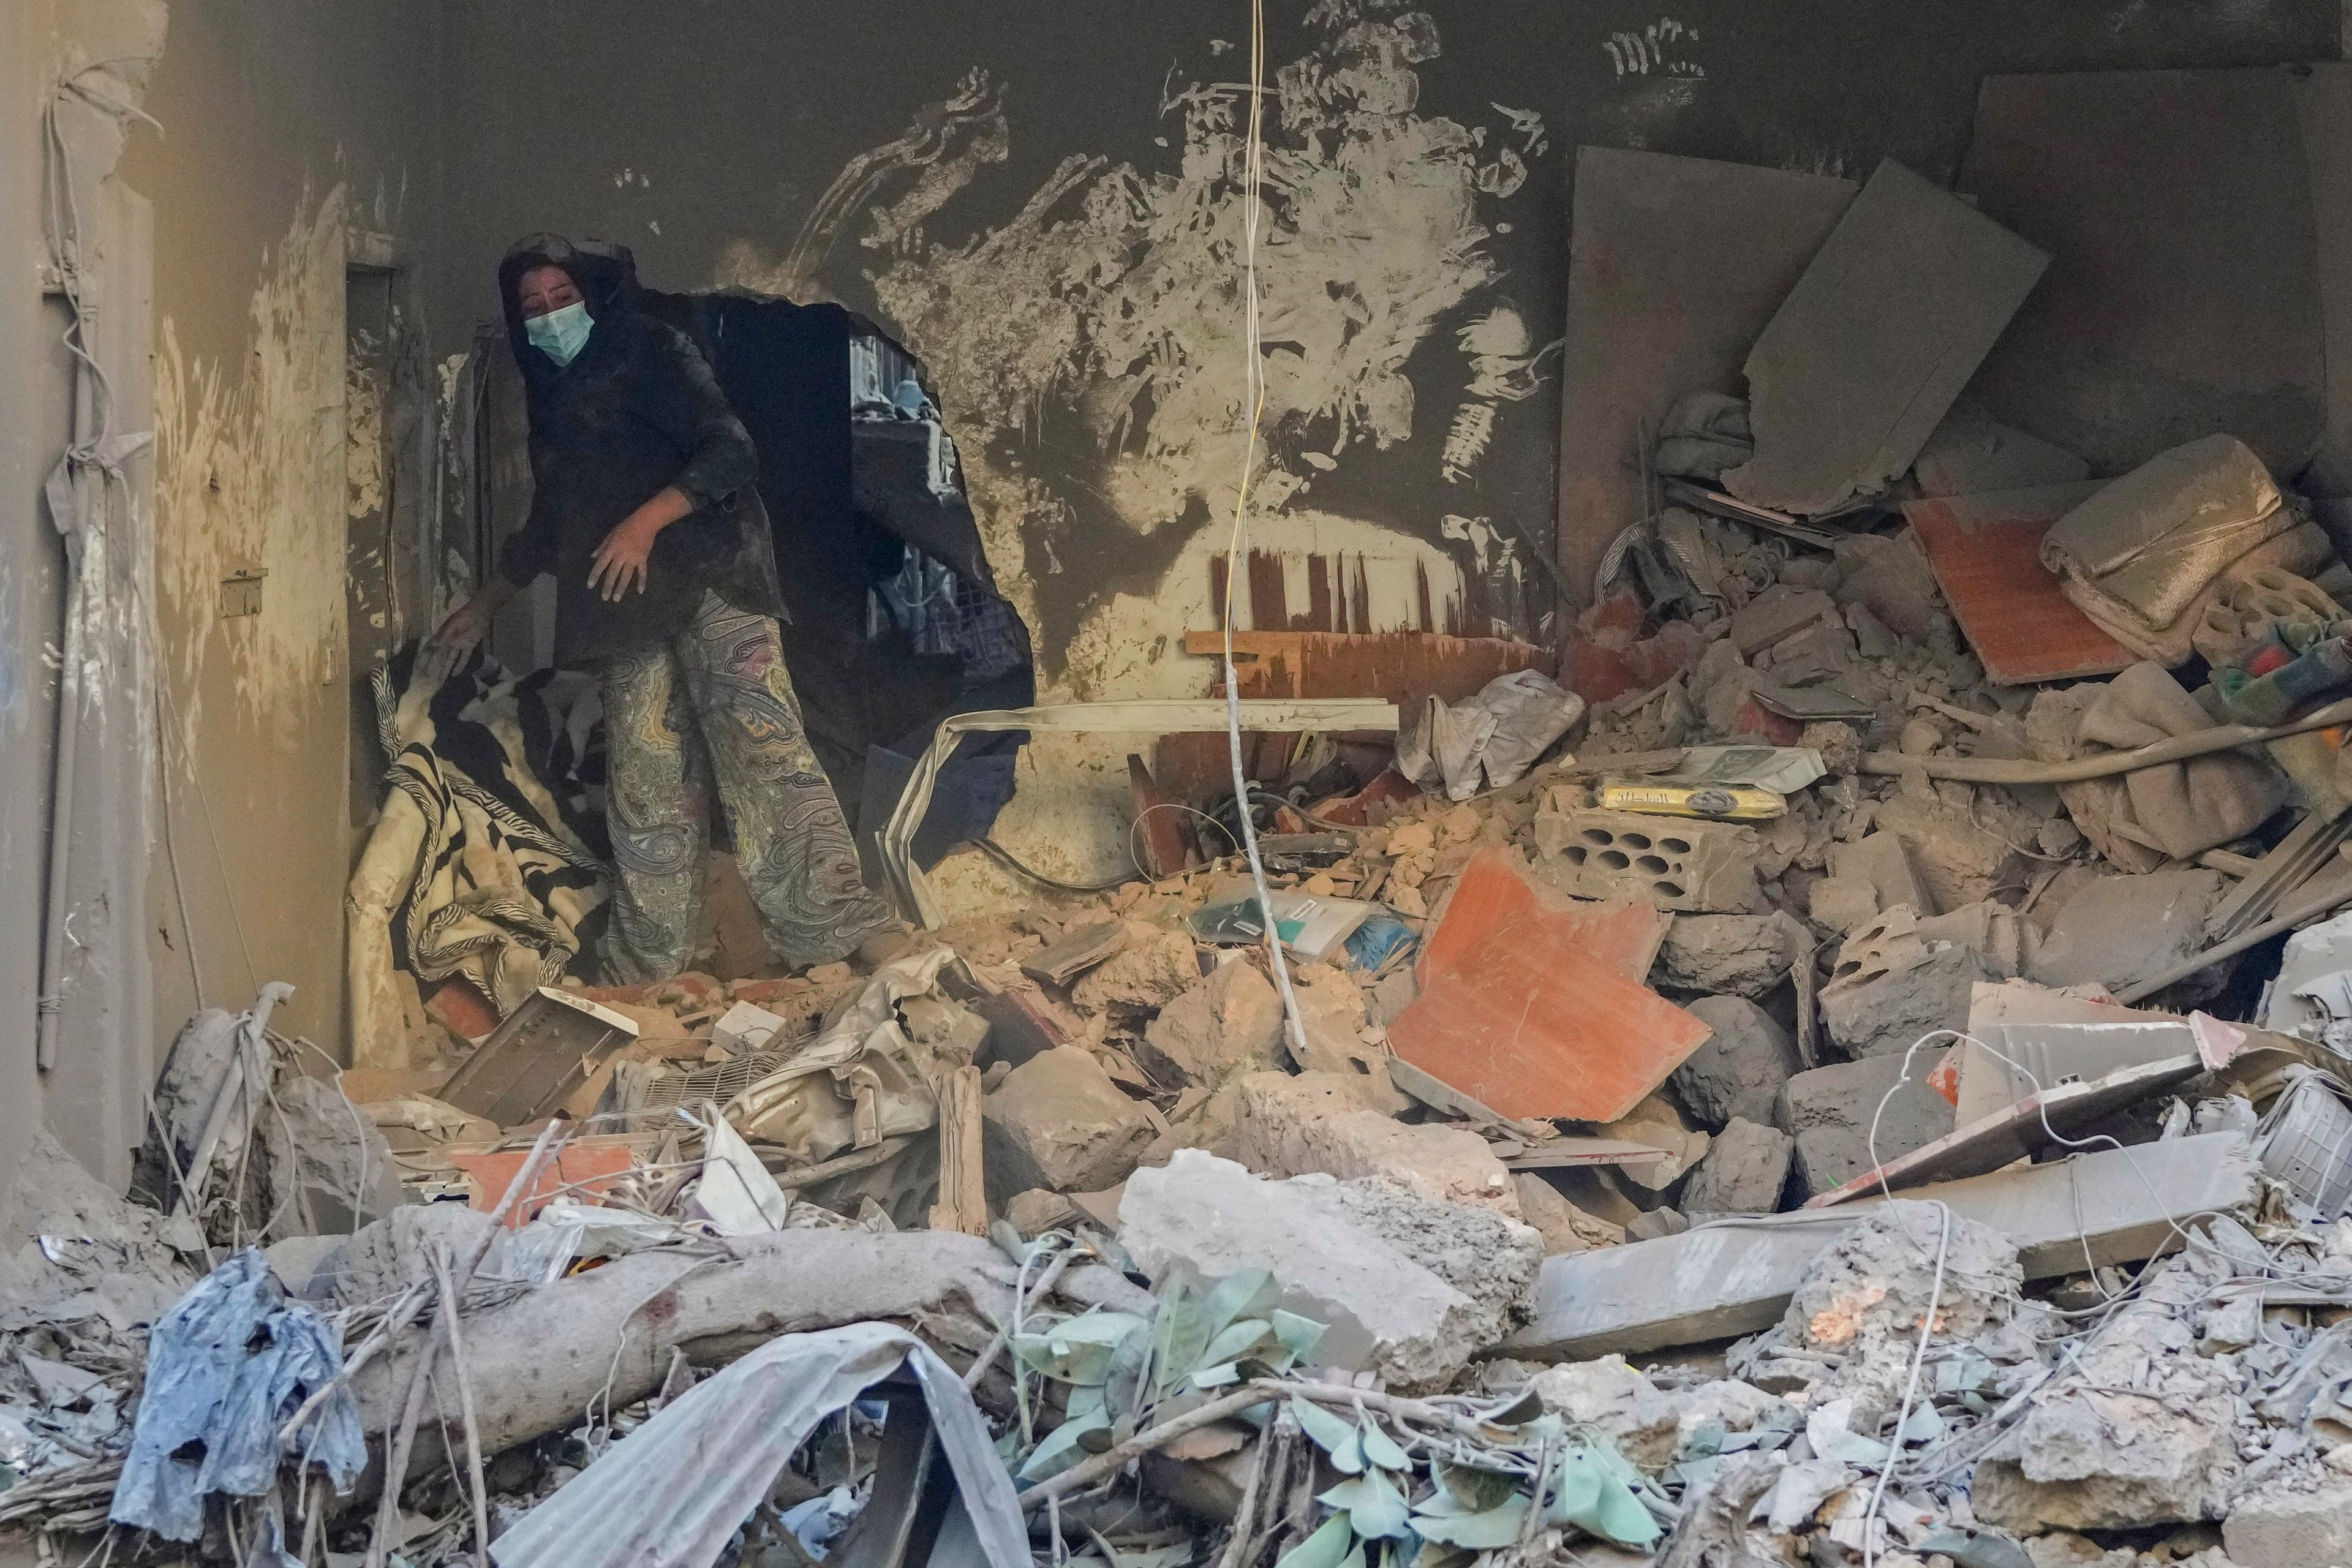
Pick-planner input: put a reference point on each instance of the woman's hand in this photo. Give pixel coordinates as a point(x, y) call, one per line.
point(470, 622)
point(619, 563)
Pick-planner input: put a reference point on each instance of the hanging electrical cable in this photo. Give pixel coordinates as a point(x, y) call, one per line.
point(1254, 402)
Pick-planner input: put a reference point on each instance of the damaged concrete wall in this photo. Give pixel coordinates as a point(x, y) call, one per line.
point(288, 128)
point(1047, 210)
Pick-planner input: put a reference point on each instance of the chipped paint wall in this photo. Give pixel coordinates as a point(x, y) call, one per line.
point(1041, 200)
point(288, 125)
point(1043, 203)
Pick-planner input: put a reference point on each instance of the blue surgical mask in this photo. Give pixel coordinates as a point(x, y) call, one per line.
point(560, 334)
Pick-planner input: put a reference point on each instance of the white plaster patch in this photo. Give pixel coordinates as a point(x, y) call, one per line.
point(250, 473)
point(1660, 48)
point(1111, 305)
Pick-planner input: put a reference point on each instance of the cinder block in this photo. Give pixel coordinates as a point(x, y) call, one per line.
point(1673, 863)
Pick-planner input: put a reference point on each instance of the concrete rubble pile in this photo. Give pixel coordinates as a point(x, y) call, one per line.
point(1793, 1089)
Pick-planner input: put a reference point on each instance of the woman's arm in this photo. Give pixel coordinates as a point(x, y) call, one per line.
point(620, 563)
point(683, 401)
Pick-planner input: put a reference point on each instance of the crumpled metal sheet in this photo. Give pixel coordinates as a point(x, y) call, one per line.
point(854, 1085)
point(674, 1493)
point(1490, 741)
point(225, 1369)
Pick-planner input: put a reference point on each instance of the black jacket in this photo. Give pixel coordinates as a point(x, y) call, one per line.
point(637, 410)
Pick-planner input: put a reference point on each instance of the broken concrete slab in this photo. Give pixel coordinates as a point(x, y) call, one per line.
point(1958, 860)
point(1292, 1126)
point(1729, 955)
point(1058, 1122)
point(1716, 1282)
point(2123, 929)
point(2299, 1520)
point(1390, 998)
point(1971, 454)
point(1229, 1023)
point(1829, 1112)
point(2138, 1428)
point(1880, 861)
point(1777, 613)
point(1333, 1015)
point(1740, 1067)
point(1410, 1289)
point(1853, 1327)
point(1675, 265)
point(1890, 579)
point(1669, 863)
point(1872, 347)
point(1743, 1171)
point(2020, 1131)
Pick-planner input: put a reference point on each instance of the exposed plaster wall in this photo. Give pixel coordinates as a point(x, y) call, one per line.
point(286, 125)
point(1045, 208)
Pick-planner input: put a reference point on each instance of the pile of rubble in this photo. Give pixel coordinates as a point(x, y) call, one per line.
point(1817, 1083)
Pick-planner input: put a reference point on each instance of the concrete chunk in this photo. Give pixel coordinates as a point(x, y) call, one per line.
point(1743, 1172)
point(1058, 1122)
point(1333, 1014)
point(1828, 1110)
point(1733, 955)
point(1229, 1023)
point(1716, 1282)
point(1291, 1126)
point(1738, 1070)
point(1410, 1289)
point(2294, 1521)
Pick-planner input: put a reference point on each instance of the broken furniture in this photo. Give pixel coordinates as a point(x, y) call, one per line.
point(546, 1051)
point(912, 891)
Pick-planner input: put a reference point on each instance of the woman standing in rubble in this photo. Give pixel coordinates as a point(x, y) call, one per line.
point(666, 588)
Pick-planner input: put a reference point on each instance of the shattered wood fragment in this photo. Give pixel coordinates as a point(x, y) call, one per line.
point(1162, 826)
point(963, 1175)
point(1078, 951)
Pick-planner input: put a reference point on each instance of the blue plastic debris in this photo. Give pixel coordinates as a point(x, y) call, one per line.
point(225, 1368)
point(1379, 938)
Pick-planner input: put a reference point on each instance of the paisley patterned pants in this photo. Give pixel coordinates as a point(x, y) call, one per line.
point(715, 705)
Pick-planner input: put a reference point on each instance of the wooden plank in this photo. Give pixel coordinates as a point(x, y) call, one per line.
point(1400, 667)
point(963, 1179)
point(1986, 551)
point(1866, 355)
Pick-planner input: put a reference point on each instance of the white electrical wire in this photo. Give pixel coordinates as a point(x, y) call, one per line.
point(1943, 1247)
point(1254, 404)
